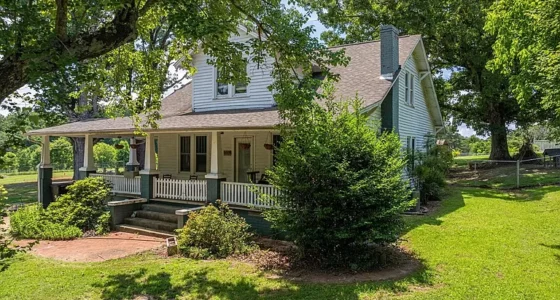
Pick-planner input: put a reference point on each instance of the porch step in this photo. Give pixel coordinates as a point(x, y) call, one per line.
point(157, 216)
point(152, 224)
point(144, 231)
point(161, 208)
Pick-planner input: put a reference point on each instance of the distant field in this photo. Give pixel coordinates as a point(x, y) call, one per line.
point(464, 160)
point(10, 179)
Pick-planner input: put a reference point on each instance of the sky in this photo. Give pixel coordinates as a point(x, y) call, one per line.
point(319, 28)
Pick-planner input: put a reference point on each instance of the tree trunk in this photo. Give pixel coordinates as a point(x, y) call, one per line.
point(499, 149)
point(78, 147)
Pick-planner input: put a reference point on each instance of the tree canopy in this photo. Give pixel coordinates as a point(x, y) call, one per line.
point(526, 48)
point(456, 40)
point(121, 50)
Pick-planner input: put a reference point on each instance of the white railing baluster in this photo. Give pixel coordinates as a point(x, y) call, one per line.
point(121, 184)
point(246, 194)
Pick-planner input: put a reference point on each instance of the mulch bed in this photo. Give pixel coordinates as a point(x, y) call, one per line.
point(279, 258)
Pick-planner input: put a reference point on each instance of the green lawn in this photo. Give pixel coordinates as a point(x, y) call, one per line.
point(461, 161)
point(505, 176)
point(10, 179)
point(480, 244)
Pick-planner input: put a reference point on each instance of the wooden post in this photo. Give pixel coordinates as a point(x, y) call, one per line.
point(518, 173)
point(149, 172)
point(89, 163)
point(215, 177)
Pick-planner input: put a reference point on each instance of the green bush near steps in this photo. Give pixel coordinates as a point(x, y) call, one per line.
point(82, 209)
point(214, 232)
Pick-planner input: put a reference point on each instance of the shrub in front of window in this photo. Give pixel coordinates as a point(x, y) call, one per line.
point(430, 171)
point(341, 185)
point(214, 232)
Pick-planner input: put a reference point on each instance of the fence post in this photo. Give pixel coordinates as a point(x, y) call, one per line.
point(518, 173)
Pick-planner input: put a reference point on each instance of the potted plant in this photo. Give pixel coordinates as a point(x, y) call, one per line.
point(268, 146)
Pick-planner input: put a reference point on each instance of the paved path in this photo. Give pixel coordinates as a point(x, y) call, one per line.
point(111, 246)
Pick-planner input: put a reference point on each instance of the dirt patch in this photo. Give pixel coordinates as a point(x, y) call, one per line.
point(95, 249)
point(278, 257)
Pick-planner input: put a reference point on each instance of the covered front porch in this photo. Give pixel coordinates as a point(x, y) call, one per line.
point(185, 167)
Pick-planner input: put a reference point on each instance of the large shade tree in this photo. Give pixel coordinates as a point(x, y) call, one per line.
point(455, 39)
point(120, 51)
point(527, 49)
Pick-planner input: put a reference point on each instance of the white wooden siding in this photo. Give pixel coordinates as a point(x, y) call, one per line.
point(204, 94)
point(414, 121)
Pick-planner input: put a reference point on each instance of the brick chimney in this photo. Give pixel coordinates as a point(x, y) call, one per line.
point(389, 51)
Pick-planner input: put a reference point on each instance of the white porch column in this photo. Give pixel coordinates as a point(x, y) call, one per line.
point(149, 172)
point(149, 155)
point(89, 163)
point(215, 177)
point(45, 152)
point(216, 156)
point(132, 160)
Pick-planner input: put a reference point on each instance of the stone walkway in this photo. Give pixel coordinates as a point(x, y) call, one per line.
point(95, 249)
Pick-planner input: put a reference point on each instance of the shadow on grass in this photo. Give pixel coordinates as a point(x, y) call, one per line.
point(201, 284)
point(453, 200)
point(519, 195)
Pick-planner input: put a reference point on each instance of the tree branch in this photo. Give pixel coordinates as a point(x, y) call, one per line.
point(61, 23)
point(16, 71)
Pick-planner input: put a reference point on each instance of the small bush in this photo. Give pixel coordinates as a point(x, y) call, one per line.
point(31, 222)
point(83, 205)
point(214, 232)
point(430, 171)
point(81, 209)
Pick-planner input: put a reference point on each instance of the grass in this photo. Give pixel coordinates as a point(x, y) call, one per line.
point(480, 244)
point(10, 179)
point(504, 176)
point(463, 161)
point(23, 188)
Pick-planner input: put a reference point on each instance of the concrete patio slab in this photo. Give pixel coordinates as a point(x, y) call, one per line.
point(95, 249)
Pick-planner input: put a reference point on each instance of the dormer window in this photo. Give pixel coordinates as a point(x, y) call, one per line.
point(225, 90)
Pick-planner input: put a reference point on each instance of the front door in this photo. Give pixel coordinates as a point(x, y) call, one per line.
point(243, 159)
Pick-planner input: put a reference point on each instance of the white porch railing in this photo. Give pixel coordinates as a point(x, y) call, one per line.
point(121, 184)
point(192, 190)
point(247, 194)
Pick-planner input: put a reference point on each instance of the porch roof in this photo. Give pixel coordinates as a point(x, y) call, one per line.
point(177, 115)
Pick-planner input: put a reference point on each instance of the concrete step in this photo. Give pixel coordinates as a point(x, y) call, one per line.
point(161, 208)
point(157, 216)
point(144, 231)
point(152, 224)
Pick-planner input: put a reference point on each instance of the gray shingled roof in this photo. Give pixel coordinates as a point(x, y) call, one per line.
point(362, 76)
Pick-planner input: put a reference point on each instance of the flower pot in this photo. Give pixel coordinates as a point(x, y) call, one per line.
point(245, 146)
point(268, 146)
point(133, 146)
point(119, 146)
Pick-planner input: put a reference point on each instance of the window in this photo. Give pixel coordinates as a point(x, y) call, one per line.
point(406, 90)
point(185, 146)
point(411, 91)
point(224, 90)
point(409, 88)
point(201, 153)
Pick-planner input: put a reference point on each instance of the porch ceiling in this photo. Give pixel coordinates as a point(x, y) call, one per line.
point(217, 120)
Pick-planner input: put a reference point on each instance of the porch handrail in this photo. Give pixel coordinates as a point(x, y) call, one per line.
point(247, 194)
point(121, 184)
point(177, 189)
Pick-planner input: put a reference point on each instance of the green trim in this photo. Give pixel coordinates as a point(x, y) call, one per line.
point(147, 185)
point(45, 194)
point(214, 189)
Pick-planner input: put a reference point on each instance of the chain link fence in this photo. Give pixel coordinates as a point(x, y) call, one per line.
point(508, 174)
